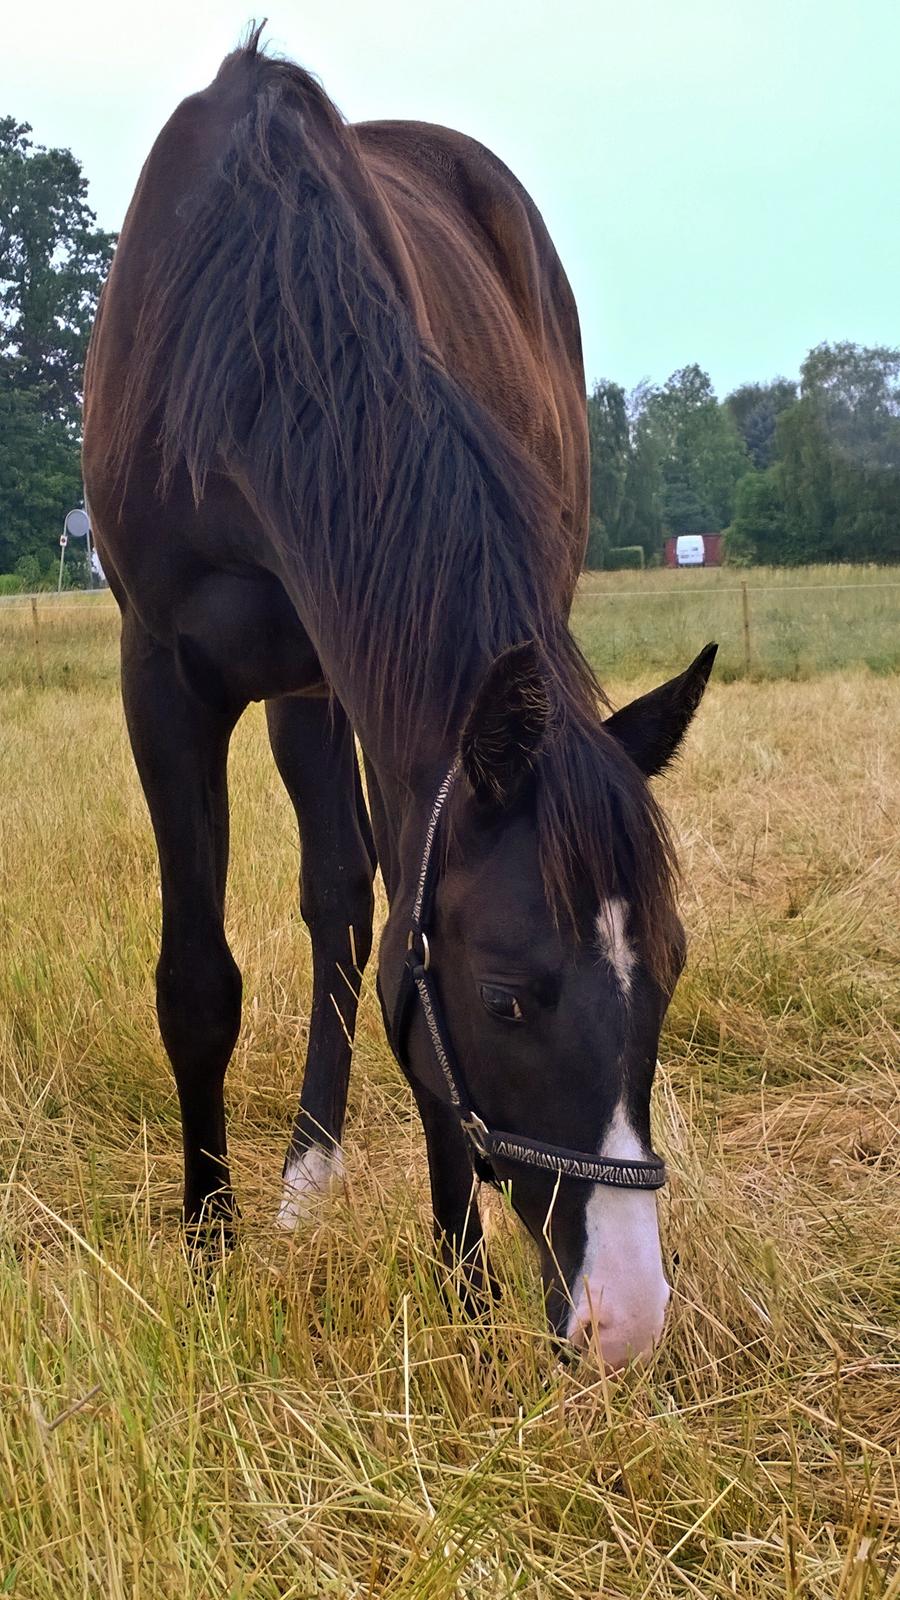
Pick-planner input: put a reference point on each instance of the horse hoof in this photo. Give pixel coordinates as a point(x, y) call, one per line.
point(309, 1178)
point(211, 1230)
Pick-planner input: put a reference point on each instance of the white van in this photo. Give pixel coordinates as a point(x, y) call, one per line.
point(689, 550)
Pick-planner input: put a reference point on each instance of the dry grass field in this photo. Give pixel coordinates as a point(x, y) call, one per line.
point(313, 1420)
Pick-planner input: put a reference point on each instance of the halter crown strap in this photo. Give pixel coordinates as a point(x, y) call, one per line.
point(485, 1144)
point(424, 896)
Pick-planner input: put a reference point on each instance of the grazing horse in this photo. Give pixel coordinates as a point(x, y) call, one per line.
point(336, 455)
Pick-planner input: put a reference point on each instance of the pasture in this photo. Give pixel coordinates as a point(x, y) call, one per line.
point(313, 1419)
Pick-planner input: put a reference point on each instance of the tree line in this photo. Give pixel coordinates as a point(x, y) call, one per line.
point(796, 472)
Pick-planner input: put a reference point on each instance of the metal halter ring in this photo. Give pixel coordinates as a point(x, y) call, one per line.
point(426, 949)
point(478, 1132)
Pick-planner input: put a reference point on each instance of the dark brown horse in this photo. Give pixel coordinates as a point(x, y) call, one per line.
point(336, 456)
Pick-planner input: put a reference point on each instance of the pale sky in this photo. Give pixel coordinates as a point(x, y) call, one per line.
point(722, 180)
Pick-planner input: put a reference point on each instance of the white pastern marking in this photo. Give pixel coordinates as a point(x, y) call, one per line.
point(611, 924)
point(308, 1180)
point(620, 1286)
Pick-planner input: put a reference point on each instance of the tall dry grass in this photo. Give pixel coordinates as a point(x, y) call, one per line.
point(312, 1419)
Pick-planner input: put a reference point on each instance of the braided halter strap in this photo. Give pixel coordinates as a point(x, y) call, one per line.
point(486, 1144)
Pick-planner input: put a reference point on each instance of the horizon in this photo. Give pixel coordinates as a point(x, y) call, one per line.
point(721, 195)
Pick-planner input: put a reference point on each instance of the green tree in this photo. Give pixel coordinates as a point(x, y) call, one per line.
point(40, 479)
point(52, 262)
point(640, 520)
point(53, 259)
point(856, 393)
point(839, 451)
point(759, 529)
point(806, 478)
point(702, 456)
point(610, 449)
point(755, 409)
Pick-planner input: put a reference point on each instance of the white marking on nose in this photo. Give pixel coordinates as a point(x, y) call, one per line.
point(620, 1293)
point(614, 944)
point(308, 1180)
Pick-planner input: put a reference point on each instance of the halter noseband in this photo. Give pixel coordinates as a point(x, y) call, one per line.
point(485, 1144)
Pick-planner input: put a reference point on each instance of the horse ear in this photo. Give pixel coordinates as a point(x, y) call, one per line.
point(505, 726)
point(652, 727)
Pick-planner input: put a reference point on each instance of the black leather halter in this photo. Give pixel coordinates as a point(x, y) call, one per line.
point(486, 1144)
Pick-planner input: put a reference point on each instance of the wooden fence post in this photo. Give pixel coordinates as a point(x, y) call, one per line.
point(745, 605)
point(36, 627)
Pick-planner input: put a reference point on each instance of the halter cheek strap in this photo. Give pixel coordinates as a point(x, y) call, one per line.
point(486, 1145)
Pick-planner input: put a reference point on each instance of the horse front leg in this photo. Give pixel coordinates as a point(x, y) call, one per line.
point(180, 747)
point(313, 746)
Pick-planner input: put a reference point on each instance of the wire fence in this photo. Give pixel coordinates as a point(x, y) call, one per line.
point(732, 588)
point(764, 628)
point(67, 599)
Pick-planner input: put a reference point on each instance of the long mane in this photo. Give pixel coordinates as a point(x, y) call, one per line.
point(275, 344)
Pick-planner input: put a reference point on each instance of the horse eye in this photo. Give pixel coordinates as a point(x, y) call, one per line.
point(501, 1003)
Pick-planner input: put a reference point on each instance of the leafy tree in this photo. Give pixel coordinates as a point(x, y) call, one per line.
point(856, 393)
point(806, 478)
point(839, 450)
point(40, 478)
point(702, 456)
point(641, 518)
point(610, 449)
point(759, 529)
point(52, 262)
point(755, 409)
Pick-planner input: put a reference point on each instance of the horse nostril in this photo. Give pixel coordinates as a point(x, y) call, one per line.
point(588, 1341)
point(619, 1336)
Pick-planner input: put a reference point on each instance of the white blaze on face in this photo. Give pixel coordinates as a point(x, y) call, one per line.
point(613, 942)
point(308, 1180)
point(620, 1294)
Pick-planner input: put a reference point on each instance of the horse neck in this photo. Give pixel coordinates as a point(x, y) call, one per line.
point(410, 755)
point(283, 343)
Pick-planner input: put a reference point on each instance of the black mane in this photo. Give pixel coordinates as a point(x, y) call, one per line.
point(275, 344)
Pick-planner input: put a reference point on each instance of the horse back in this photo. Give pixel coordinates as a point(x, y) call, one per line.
point(500, 313)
